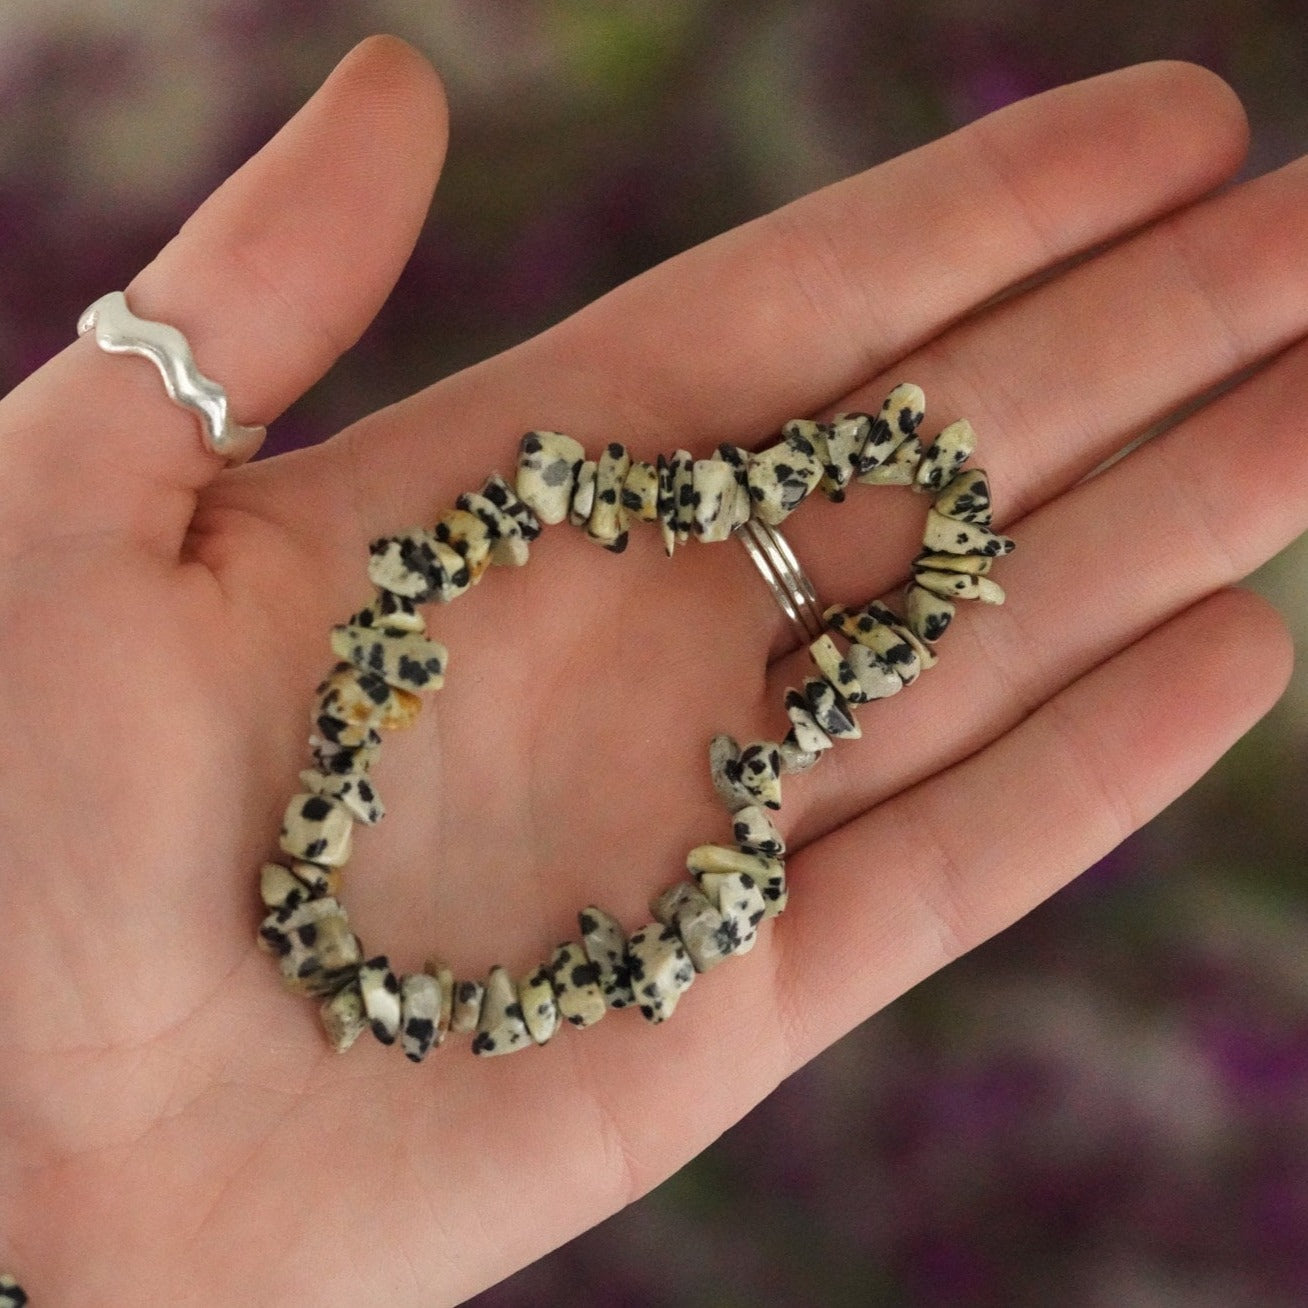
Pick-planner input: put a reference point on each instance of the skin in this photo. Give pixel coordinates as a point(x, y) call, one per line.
point(173, 1128)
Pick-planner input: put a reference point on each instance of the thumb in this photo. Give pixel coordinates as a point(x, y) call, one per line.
point(272, 278)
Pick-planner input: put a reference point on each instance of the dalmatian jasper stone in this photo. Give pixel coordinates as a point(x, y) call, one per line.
point(900, 469)
point(661, 970)
point(405, 660)
point(977, 565)
point(959, 585)
point(420, 1010)
point(954, 536)
point(390, 611)
point(667, 505)
point(640, 491)
point(501, 1028)
point(434, 967)
point(351, 706)
point(317, 829)
point(418, 566)
point(768, 874)
point(794, 759)
point(833, 667)
point(877, 679)
point(929, 614)
point(501, 494)
point(465, 1006)
point(468, 536)
point(714, 491)
point(605, 945)
point(583, 494)
point(540, 1010)
point(737, 458)
point(320, 880)
point(755, 833)
point(781, 477)
point(966, 497)
point(891, 646)
point(683, 494)
point(380, 988)
point(724, 770)
point(508, 546)
point(738, 898)
point(608, 520)
point(901, 414)
point(576, 985)
point(945, 455)
point(277, 927)
point(12, 1295)
point(890, 619)
point(809, 737)
point(341, 759)
point(841, 446)
point(320, 955)
point(279, 887)
point(760, 773)
point(547, 471)
point(343, 1017)
point(702, 929)
point(830, 709)
point(354, 791)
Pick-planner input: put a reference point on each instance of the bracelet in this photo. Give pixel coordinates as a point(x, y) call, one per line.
point(386, 661)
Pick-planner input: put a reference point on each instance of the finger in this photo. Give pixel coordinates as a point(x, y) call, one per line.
point(786, 313)
point(1188, 513)
point(1161, 318)
point(978, 846)
point(274, 276)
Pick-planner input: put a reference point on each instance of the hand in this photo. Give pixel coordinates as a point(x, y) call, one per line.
point(173, 1128)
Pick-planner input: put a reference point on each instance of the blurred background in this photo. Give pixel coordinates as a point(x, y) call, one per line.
point(1107, 1105)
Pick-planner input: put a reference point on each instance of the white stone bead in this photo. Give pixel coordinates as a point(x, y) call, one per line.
point(317, 829)
point(390, 611)
point(608, 521)
point(583, 494)
point(714, 490)
point(929, 615)
point(435, 967)
point(12, 1295)
point(766, 872)
point(832, 665)
point(901, 414)
point(794, 759)
point(576, 985)
point(605, 944)
point(781, 477)
point(977, 565)
point(380, 988)
point(702, 929)
point(508, 545)
point(945, 455)
point(547, 470)
point(683, 494)
point(661, 970)
point(737, 896)
point(640, 491)
point(878, 681)
point(343, 1017)
point(809, 737)
point(540, 1010)
point(954, 536)
point(501, 1028)
point(468, 536)
point(900, 469)
point(760, 772)
point(350, 706)
point(502, 495)
point(830, 709)
point(465, 1006)
point(667, 507)
point(420, 1010)
point(840, 446)
point(724, 770)
point(281, 888)
point(354, 791)
point(407, 660)
point(966, 497)
point(755, 833)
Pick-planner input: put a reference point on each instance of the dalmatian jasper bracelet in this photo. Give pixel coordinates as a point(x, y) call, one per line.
point(386, 661)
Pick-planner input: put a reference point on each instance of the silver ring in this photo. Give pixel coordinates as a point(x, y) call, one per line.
point(785, 578)
point(119, 331)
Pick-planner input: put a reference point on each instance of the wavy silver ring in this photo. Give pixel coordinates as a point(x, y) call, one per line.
point(119, 331)
point(786, 580)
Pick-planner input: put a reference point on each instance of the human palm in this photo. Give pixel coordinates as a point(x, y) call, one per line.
point(174, 1128)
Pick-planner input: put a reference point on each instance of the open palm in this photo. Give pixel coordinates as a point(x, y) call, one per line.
point(173, 1128)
